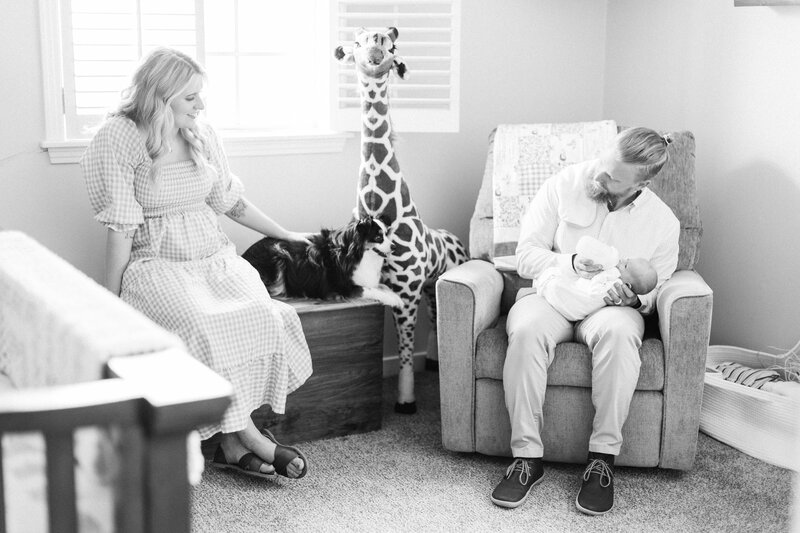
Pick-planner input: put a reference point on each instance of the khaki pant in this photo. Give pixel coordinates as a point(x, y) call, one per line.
point(534, 327)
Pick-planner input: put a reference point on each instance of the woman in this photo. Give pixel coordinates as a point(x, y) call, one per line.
point(158, 179)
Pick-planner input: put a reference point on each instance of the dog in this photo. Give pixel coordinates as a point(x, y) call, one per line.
point(340, 263)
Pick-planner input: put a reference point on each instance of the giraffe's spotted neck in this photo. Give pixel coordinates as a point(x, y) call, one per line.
point(376, 125)
point(381, 188)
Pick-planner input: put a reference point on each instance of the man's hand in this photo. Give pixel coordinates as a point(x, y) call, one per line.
point(621, 295)
point(585, 267)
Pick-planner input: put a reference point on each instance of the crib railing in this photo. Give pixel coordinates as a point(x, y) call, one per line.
point(153, 401)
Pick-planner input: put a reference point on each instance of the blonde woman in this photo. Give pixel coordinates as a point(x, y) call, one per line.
point(158, 179)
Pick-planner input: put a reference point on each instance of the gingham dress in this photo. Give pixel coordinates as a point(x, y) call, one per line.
point(184, 272)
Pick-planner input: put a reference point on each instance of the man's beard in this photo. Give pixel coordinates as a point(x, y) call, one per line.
point(599, 194)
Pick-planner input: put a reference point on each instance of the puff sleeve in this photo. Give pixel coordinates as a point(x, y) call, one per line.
point(108, 168)
point(226, 189)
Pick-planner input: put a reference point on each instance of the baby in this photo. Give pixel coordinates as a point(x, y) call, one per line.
point(576, 297)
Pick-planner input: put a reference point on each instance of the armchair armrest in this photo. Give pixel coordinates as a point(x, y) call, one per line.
point(468, 302)
point(684, 311)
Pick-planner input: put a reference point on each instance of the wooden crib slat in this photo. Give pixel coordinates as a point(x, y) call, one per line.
point(2, 494)
point(154, 400)
point(61, 497)
point(167, 491)
point(130, 509)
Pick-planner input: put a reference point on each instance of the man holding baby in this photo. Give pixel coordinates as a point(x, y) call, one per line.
point(608, 199)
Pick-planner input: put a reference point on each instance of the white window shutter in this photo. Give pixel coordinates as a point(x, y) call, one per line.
point(427, 100)
point(102, 43)
point(91, 47)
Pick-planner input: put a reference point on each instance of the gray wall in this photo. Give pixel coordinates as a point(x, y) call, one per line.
point(729, 74)
point(522, 61)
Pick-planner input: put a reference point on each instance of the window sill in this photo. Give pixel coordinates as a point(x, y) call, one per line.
point(236, 145)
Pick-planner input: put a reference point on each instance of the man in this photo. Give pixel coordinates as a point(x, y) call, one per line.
point(606, 198)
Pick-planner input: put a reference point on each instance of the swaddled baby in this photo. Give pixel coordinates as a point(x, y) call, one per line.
point(576, 297)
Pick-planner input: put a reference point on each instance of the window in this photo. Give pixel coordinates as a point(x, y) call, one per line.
point(428, 42)
point(273, 85)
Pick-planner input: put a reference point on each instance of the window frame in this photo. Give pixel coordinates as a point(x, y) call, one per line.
point(64, 150)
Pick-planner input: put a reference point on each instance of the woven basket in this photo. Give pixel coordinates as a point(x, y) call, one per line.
point(761, 424)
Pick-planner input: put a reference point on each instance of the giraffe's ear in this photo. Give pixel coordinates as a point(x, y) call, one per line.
point(400, 67)
point(344, 55)
point(392, 32)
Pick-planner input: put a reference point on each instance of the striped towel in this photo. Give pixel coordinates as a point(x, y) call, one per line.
point(744, 375)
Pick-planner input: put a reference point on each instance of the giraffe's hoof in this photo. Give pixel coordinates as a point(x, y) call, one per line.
point(405, 408)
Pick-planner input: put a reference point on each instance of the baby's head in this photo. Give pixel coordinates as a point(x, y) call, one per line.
point(638, 274)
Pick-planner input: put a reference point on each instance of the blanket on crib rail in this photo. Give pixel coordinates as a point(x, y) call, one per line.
point(58, 326)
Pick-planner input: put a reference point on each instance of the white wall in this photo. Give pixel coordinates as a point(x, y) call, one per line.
point(522, 61)
point(732, 76)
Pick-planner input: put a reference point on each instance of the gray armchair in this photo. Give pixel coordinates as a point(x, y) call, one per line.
point(474, 298)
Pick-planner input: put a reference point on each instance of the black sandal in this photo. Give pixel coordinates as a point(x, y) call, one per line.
point(285, 455)
point(248, 464)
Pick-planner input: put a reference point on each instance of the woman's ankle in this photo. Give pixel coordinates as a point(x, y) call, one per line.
point(253, 440)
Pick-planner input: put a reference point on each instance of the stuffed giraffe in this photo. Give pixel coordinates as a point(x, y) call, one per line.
point(419, 254)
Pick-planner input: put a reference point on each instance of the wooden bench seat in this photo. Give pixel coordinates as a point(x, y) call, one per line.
point(343, 395)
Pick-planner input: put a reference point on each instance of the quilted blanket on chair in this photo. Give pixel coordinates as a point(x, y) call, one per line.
point(525, 155)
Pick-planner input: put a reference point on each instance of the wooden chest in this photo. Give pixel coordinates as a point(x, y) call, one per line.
point(344, 393)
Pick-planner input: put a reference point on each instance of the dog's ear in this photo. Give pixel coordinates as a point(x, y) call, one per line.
point(363, 226)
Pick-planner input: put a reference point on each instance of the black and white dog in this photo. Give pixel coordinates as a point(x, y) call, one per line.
point(344, 262)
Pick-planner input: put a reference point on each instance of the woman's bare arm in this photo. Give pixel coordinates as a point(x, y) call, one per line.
point(118, 255)
point(249, 216)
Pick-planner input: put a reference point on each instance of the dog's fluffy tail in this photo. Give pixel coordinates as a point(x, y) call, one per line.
point(282, 259)
point(270, 258)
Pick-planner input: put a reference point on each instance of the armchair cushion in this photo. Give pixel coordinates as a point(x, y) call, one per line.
point(572, 364)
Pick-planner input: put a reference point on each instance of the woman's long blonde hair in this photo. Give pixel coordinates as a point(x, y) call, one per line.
point(161, 77)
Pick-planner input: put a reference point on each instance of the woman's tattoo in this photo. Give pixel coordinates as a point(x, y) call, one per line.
point(237, 211)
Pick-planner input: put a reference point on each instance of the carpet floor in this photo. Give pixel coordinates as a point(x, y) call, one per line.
point(399, 478)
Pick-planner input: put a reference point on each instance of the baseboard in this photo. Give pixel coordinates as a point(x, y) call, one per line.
point(391, 363)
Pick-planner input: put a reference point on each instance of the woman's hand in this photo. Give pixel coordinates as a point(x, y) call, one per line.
point(621, 295)
point(294, 236)
point(249, 216)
